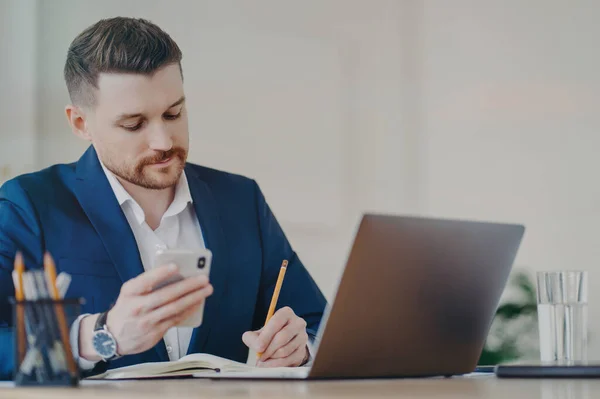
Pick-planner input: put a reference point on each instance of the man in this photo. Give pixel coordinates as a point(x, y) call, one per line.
point(104, 217)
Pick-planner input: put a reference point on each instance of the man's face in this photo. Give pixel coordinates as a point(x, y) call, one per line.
point(139, 126)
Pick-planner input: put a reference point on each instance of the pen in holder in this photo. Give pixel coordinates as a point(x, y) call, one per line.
point(43, 354)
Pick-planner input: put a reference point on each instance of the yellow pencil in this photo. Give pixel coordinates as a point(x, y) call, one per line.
point(275, 297)
point(20, 297)
point(50, 270)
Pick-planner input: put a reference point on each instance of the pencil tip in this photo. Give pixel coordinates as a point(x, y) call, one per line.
point(48, 260)
point(19, 264)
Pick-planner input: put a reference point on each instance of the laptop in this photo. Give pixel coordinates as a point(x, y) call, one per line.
point(416, 299)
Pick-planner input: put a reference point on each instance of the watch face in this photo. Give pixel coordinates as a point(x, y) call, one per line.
point(104, 344)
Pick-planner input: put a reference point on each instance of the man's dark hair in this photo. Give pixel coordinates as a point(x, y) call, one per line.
point(130, 45)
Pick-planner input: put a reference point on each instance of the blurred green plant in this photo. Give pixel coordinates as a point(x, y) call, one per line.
point(513, 334)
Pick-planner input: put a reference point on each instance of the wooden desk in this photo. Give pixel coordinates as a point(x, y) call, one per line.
point(477, 387)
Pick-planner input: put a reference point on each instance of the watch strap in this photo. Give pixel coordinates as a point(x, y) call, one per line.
point(101, 321)
point(100, 324)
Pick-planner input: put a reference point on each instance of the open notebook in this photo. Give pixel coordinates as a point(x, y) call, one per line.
point(198, 365)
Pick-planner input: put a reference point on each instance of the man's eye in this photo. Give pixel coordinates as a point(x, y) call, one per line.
point(133, 128)
point(172, 117)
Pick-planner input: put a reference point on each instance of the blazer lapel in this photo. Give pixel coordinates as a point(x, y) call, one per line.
point(207, 212)
point(104, 212)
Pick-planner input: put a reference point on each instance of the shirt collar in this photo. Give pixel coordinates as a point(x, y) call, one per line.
point(182, 198)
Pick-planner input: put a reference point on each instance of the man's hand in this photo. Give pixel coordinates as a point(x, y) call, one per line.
point(283, 341)
point(141, 316)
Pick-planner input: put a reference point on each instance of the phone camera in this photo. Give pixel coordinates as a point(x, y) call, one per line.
point(201, 262)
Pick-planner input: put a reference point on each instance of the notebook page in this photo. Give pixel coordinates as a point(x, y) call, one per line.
point(187, 365)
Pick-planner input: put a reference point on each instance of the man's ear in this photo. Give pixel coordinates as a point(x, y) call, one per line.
point(77, 119)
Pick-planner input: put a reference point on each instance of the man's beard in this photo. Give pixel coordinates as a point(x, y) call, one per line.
point(137, 176)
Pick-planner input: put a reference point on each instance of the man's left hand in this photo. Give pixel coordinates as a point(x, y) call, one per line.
point(282, 342)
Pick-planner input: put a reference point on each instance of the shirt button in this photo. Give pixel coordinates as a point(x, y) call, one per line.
point(169, 349)
point(161, 247)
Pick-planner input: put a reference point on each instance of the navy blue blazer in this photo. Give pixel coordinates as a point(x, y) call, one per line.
point(72, 212)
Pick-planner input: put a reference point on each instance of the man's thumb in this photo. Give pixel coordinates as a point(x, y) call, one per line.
point(249, 338)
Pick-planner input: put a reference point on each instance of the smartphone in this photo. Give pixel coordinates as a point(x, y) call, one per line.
point(191, 263)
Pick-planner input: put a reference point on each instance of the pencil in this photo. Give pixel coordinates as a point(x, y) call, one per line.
point(275, 297)
point(50, 269)
point(19, 296)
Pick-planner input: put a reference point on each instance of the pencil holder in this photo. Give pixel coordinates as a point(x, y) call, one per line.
point(43, 354)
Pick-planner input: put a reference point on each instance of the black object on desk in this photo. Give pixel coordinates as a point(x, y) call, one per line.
point(541, 370)
point(45, 361)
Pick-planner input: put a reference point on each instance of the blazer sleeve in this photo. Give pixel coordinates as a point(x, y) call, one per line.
point(299, 291)
point(19, 231)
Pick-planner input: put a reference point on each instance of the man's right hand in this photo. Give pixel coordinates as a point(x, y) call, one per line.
point(141, 316)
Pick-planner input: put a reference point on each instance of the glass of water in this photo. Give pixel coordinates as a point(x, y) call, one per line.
point(562, 299)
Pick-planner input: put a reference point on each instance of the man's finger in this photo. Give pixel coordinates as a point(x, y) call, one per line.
point(279, 320)
point(166, 324)
point(174, 291)
point(250, 338)
point(145, 282)
point(299, 340)
point(191, 300)
point(294, 360)
point(282, 338)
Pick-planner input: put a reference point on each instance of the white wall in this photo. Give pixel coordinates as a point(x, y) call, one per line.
point(17, 87)
point(511, 128)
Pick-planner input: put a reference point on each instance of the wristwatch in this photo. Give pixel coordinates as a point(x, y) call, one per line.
point(103, 341)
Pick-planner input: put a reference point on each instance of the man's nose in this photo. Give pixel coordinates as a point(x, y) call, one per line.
point(160, 138)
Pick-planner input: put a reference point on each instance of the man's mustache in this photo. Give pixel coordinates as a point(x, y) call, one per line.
point(162, 156)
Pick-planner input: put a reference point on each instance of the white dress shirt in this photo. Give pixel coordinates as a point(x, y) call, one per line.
point(179, 229)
